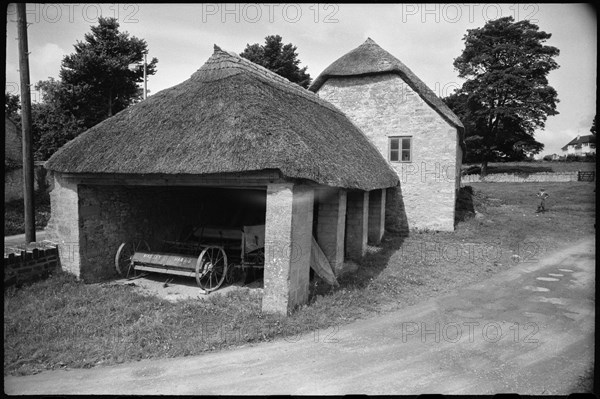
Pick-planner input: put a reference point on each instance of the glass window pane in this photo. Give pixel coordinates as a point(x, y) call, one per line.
point(405, 155)
point(394, 155)
point(394, 144)
point(406, 144)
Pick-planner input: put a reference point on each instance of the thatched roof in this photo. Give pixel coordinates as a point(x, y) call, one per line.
point(370, 59)
point(230, 116)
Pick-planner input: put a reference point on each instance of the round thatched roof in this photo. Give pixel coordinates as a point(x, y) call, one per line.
point(370, 59)
point(230, 116)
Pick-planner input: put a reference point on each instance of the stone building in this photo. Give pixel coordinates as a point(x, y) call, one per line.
point(234, 139)
point(410, 126)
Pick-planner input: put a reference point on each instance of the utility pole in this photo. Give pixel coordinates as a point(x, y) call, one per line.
point(26, 125)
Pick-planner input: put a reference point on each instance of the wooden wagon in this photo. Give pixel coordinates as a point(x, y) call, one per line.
point(208, 253)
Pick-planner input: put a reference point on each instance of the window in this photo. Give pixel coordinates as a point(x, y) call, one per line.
point(400, 149)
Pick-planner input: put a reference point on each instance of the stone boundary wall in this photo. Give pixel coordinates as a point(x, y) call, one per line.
point(29, 262)
point(516, 178)
point(13, 185)
point(13, 181)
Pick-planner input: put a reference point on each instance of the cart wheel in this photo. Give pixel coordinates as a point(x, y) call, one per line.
point(211, 268)
point(123, 262)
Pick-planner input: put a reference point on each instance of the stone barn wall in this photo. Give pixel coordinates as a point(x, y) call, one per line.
point(63, 226)
point(385, 106)
point(90, 222)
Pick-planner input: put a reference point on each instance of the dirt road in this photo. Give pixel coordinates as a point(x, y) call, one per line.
point(529, 330)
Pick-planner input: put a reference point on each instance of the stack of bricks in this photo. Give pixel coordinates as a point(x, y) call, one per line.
point(29, 262)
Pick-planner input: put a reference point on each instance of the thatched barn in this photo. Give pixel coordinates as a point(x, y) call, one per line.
point(235, 143)
point(408, 123)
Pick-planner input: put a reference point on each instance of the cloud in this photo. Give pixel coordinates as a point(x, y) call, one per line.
point(44, 61)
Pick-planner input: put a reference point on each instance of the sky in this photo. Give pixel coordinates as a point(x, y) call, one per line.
point(425, 37)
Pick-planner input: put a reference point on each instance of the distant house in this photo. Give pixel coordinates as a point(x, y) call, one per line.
point(581, 145)
point(408, 123)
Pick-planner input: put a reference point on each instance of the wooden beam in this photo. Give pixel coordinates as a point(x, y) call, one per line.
point(230, 180)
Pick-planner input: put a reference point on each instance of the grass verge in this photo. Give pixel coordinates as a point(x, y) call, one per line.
point(64, 323)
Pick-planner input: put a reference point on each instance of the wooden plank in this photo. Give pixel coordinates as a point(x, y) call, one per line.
point(320, 264)
point(164, 260)
point(259, 179)
point(158, 269)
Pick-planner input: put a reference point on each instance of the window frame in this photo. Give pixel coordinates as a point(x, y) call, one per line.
point(400, 149)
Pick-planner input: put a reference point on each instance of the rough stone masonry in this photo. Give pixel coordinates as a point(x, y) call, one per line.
point(385, 106)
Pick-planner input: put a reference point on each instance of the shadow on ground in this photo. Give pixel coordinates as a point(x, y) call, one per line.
point(464, 205)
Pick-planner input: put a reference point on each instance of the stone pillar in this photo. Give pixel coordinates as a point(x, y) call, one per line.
point(288, 240)
point(331, 226)
point(376, 215)
point(63, 226)
point(357, 215)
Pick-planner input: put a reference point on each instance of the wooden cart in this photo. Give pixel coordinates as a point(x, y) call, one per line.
point(208, 254)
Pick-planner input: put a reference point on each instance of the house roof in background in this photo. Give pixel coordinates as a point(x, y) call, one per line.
point(577, 141)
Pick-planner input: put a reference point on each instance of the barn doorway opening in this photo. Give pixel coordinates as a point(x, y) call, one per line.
point(167, 229)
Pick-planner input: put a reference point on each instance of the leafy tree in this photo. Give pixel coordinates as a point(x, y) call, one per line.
point(506, 96)
point(97, 79)
point(279, 58)
point(12, 105)
point(593, 128)
point(53, 123)
point(96, 82)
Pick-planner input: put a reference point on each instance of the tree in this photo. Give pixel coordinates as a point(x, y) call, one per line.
point(96, 82)
point(506, 96)
point(97, 78)
point(593, 128)
point(279, 58)
point(12, 105)
point(53, 123)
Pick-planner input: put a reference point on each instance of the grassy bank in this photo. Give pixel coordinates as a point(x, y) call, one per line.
point(61, 322)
